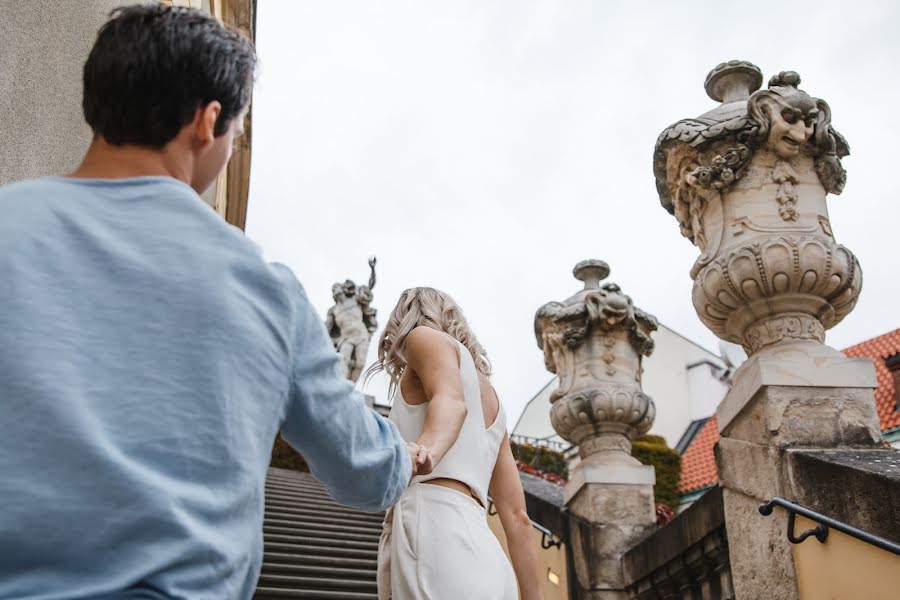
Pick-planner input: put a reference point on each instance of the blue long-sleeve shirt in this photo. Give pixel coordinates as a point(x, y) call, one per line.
point(148, 358)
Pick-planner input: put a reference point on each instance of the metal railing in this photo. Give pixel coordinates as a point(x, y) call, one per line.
point(545, 442)
point(548, 539)
point(820, 531)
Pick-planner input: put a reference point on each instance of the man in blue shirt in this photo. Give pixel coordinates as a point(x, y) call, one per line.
point(148, 355)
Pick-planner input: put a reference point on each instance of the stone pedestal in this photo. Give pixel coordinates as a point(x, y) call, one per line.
point(786, 399)
point(615, 509)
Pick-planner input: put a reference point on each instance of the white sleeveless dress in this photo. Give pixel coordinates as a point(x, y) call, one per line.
point(436, 542)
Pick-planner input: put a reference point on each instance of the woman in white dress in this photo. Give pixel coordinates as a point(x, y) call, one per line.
point(436, 543)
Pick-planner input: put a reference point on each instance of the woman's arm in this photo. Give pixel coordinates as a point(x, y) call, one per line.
point(433, 358)
point(506, 492)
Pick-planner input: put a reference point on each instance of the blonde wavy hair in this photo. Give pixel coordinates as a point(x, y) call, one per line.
point(428, 307)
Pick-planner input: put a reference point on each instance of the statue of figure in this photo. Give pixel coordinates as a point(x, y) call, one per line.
point(351, 323)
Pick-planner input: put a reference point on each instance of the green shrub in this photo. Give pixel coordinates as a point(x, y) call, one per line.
point(653, 450)
point(523, 452)
point(285, 457)
point(541, 458)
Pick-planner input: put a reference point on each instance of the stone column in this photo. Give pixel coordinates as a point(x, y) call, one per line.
point(595, 342)
point(747, 183)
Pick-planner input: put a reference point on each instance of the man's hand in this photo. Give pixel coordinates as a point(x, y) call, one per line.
point(422, 462)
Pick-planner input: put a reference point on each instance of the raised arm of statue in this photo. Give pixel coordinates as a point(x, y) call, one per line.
point(372, 262)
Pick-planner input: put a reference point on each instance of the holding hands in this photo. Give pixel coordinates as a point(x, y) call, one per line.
point(422, 461)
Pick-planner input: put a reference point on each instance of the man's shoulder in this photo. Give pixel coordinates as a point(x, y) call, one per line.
point(17, 189)
point(21, 201)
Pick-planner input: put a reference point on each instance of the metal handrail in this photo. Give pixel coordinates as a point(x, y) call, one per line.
point(824, 523)
point(544, 441)
point(548, 539)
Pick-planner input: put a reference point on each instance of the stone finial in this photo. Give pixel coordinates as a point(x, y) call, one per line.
point(747, 183)
point(595, 341)
point(351, 323)
point(733, 81)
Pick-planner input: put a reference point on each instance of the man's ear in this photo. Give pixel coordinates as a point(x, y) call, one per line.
point(204, 124)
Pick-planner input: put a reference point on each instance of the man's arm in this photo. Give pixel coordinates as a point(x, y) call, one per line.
point(359, 456)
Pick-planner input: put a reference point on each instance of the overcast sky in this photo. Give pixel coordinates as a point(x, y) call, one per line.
point(484, 148)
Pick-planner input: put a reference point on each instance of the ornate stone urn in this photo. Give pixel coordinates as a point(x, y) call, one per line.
point(747, 183)
point(595, 341)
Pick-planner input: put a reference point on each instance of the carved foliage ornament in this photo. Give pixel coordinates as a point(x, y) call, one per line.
point(602, 309)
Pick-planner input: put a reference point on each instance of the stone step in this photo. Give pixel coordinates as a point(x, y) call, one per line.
point(315, 548)
point(299, 499)
point(366, 564)
point(329, 533)
point(282, 538)
point(318, 571)
point(293, 510)
point(327, 550)
point(312, 522)
point(302, 582)
point(266, 593)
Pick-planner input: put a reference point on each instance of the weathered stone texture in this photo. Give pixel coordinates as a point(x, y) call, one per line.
point(688, 558)
point(761, 563)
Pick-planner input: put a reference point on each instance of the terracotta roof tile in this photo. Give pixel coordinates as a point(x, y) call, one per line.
point(879, 349)
point(698, 464)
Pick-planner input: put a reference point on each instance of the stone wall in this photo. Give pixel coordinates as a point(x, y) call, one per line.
point(688, 558)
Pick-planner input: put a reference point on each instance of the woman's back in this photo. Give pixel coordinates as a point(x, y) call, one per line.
point(471, 459)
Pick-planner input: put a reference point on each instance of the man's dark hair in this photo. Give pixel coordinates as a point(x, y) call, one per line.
point(153, 65)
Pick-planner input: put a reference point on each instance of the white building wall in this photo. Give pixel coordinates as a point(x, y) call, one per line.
point(681, 394)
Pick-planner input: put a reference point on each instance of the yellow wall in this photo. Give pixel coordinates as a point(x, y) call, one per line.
point(552, 562)
point(229, 194)
point(844, 568)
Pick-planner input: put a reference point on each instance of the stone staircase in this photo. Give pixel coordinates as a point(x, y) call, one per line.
point(314, 547)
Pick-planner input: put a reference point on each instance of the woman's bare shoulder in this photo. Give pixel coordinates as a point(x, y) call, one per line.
point(424, 339)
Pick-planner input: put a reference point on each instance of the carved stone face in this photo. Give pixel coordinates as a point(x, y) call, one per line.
point(792, 125)
point(349, 288)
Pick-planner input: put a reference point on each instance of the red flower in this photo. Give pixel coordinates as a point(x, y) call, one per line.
point(551, 477)
point(664, 514)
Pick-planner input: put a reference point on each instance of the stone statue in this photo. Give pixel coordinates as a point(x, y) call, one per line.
point(747, 183)
point(351, 323)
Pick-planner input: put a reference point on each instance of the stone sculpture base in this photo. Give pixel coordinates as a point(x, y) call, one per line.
point(617, 501)
point(785, 399)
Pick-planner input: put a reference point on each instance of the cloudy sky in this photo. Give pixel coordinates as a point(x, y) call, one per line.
point(486, 147)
